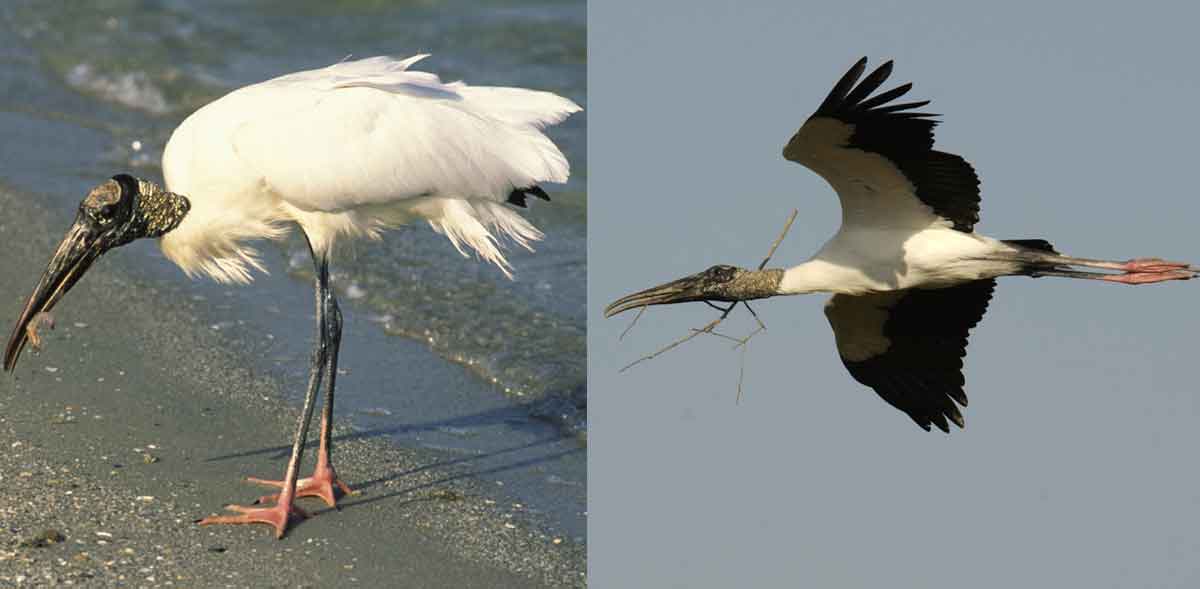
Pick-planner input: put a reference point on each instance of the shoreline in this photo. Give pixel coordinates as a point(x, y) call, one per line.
point(186, 418)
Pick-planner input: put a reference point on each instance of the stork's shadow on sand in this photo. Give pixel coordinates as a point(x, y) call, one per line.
point(455, 468)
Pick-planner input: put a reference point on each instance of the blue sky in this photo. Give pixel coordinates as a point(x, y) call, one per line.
point(1077, 466)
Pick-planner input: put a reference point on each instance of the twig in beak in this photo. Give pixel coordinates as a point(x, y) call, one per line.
point(779, 240)
point(725, 311)
point(742, 371)
point(632, 323)
point(676, 343)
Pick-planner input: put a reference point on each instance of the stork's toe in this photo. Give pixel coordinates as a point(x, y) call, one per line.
point(321, 484)
point(276, 516)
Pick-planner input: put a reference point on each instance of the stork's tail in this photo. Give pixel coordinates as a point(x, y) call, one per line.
point(1033, 255)
point(1039, 245)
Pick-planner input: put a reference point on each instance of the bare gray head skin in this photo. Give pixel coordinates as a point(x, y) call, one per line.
point(114, 213)
point(717, 284)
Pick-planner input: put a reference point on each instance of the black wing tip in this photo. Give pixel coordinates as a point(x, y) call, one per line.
point(940, 420)
point(886, 68)
point(850, 96)
point(517, 196)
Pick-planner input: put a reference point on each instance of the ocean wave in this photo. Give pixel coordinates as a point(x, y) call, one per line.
point(130, 89)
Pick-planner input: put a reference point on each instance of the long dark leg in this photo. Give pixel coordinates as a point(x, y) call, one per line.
point(324, 476)
point(1137, 265)
point(316, 374)
point(1126, 278)
point(1136, 271)
point(285, 509)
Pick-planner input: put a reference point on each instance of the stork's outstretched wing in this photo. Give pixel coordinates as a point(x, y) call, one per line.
point(879, 157)
point(909, 345)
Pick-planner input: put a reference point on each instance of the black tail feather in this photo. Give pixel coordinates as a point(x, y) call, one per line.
point(1033, 263)
point(517, 196)
point(1040, 245)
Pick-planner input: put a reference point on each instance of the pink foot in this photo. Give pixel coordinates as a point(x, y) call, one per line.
point(1150, 277)
point(276, 517)
point(1153, 265)
point(320, 484)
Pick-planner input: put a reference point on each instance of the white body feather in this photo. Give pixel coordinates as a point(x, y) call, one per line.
point(353, 148)
point(861, 261)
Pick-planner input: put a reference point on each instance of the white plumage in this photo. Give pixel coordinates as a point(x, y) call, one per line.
point(351, 149)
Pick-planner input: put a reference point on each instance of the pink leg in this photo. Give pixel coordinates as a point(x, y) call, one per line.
point(1148, 277)
point(1148, 265)
point(1135, 271)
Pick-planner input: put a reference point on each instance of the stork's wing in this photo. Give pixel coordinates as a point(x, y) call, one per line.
point(909, 345)
point(879, 157)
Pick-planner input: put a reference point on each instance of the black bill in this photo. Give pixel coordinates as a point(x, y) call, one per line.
point(684, 290)
point(79, 248)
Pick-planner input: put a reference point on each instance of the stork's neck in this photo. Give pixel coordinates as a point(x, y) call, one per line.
point(813, 276)
point(748, 285)
point(159, 210)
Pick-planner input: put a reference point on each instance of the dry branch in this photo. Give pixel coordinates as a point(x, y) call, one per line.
point(725, 311)
point(632, 323)
point(778, 240)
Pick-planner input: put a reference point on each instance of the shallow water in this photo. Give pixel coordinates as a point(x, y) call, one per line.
point(440, 351)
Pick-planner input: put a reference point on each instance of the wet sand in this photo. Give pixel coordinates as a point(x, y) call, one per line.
point(138, 420)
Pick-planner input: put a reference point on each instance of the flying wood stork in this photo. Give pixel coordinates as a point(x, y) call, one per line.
point(910, 277)
point(343, 151)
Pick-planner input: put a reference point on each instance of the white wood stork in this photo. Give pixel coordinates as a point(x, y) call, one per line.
point(347, 150)
point(910, 278)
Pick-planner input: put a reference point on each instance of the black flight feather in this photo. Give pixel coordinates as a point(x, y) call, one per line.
point(945, 182)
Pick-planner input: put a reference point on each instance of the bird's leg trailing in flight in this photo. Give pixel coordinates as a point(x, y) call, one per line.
point(1135, 271)
point(1127, 278)
point(324, 476)
point(285, 509)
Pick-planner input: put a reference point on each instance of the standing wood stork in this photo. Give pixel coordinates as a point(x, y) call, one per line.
point(343, 151)
point(910, 278)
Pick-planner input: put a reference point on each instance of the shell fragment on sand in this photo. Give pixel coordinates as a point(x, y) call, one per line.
point(40, 320)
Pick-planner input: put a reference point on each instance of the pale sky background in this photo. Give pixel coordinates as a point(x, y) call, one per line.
point(1078, 467)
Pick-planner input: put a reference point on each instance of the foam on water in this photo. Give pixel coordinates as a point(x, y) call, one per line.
point(131, 89)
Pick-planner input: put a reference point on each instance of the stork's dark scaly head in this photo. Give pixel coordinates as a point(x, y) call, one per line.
point(717, 284)
point(114, 213)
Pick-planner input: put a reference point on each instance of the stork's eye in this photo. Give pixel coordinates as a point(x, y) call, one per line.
point(103, 203)
point(721, 273)
point(105, 214)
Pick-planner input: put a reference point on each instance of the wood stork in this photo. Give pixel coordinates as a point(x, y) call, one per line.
point(343, 151)
point(910, 277)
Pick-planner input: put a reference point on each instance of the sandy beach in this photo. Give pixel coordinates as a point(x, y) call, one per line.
point(138, 419)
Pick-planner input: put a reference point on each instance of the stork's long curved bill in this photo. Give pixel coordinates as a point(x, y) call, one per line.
point(684, 290)
point(79, 248)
